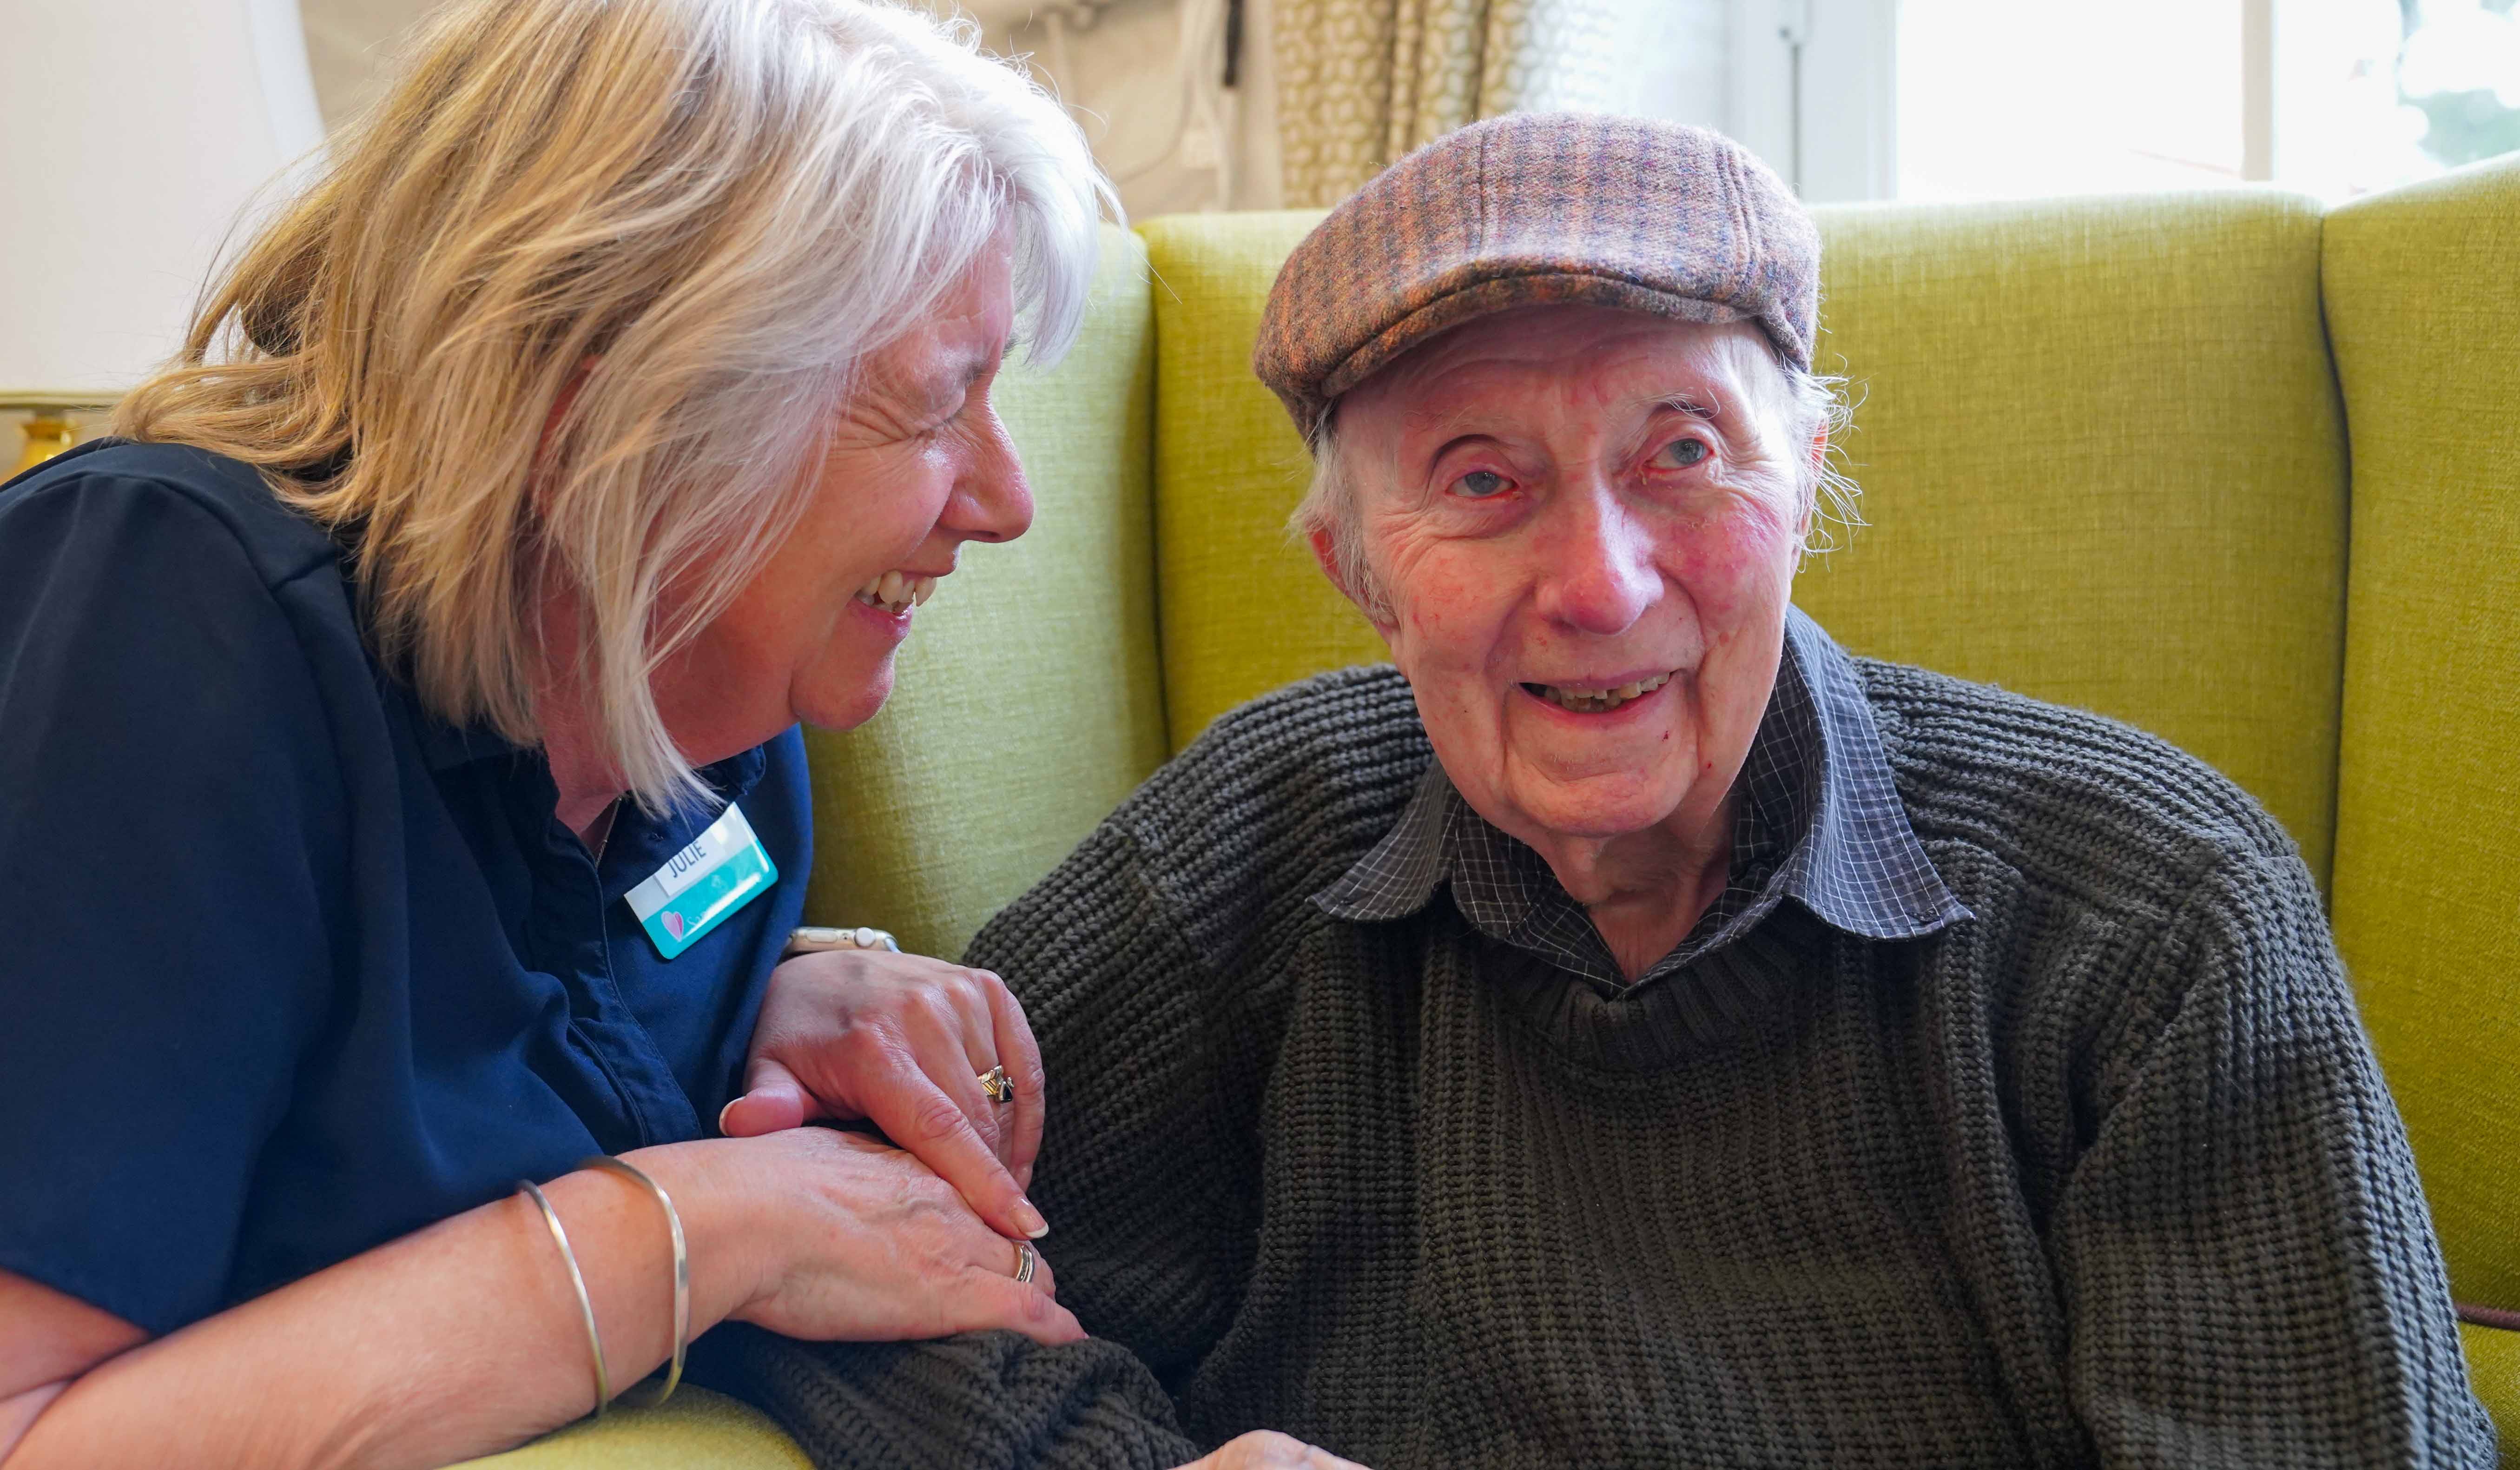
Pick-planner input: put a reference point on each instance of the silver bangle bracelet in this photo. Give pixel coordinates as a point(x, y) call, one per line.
point(681, 1268)
point(577, 1281)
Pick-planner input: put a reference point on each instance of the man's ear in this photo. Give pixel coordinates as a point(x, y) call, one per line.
point(1818, 466)
point(1326, 555)
point(1320, 540)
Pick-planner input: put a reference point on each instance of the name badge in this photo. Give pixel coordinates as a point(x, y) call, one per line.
point(722, 870)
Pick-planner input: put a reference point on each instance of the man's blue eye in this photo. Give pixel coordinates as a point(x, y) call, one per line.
point(1479, 485)
point(1680, 454)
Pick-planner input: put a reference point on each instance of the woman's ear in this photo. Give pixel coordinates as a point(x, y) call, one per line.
point(567, 398)
point(541, 485)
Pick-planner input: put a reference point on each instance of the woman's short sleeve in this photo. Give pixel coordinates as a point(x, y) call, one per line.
point(170, 847)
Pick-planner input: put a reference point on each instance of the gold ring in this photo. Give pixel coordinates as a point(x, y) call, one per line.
point(1028, 1260)
point(1000, 1087)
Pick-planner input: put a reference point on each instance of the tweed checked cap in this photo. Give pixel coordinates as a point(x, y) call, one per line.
point(1537, 207)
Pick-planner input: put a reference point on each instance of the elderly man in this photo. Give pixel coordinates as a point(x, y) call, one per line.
point(1628, 1030)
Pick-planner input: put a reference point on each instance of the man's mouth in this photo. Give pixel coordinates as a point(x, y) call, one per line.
point(897, 592)
point(1596, 699)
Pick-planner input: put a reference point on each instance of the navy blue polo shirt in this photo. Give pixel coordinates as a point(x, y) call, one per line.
point(290, 968)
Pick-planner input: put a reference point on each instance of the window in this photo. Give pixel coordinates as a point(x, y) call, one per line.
point(2374, 93)
point(2002, 98)
point(1993, 99)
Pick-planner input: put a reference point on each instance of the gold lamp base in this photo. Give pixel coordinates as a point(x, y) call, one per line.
point(52, 429)
point(49, 431)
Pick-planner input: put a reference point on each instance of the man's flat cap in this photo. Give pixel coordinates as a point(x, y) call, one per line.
point(1648, 216)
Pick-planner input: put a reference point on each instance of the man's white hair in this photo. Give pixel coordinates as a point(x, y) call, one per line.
point(1816, 404)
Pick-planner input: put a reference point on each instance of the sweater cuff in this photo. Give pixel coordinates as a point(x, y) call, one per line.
point(987, 1401)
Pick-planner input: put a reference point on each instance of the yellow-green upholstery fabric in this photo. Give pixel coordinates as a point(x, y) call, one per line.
point(2494, 1371)
point(1028, 702)
point(2101, 454)
point(1244, 609)
point(696, 1430)
point(2424, 303)
point(2098, 438)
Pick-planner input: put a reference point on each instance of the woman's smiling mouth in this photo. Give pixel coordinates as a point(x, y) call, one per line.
point(897, 592)
point(1597, 699)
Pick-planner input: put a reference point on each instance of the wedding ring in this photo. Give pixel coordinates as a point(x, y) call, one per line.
point(1000, 1087)
point(1028, 1260)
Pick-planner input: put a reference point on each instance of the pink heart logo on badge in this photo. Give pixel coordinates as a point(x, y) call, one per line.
point(673, 922)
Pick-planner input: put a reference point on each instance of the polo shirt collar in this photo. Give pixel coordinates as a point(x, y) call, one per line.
point(444, 747)
point(1859, 867)
point(1856, 864)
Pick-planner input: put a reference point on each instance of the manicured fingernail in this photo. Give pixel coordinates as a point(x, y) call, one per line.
point(722, 1112)
point(1030, 1219)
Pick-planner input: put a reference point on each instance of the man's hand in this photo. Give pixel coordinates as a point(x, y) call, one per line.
point(1264, 1450)
point(902, 1040)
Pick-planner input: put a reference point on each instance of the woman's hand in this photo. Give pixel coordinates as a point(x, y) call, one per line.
point(902, 1041)
point(1265, 1449)
point(850, 1238)
point(466, 1337)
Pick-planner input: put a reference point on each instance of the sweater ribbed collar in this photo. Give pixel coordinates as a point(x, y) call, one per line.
point(1821, 823)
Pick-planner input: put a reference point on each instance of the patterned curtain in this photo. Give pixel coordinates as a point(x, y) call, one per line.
point(1360, 83)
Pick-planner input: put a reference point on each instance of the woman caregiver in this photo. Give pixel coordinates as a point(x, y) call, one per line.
point(400, 790)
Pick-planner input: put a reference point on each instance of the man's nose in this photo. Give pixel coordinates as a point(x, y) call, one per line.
point(991, 501)
point(1598, 574)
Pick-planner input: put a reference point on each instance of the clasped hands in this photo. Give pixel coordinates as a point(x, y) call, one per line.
point(902, 1041)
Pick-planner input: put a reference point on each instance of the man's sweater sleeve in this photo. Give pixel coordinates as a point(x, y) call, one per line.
point(2249, 1269)
point(1149, 1178)
point(982, 1400)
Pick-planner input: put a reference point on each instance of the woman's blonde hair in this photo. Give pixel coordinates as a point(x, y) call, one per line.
point(726, 204)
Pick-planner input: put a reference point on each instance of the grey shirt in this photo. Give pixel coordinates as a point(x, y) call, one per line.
point(1819, 821)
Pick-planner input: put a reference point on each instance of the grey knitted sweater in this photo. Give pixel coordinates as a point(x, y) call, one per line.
point(2101, 1174)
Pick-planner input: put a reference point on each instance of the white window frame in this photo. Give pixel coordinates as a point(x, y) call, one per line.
point(1788, 56)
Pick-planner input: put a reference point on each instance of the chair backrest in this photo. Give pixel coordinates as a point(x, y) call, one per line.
point(2100, 441)
point(2103, 454)
point(1244, 609)
point(2424, 305)
point(1027, 702)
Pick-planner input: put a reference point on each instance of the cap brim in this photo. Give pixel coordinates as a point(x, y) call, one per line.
point(1487, 298)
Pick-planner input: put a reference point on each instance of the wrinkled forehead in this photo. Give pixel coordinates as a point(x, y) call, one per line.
point(1568, 359)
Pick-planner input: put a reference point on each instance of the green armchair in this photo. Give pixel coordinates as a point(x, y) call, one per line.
point(2232, 468)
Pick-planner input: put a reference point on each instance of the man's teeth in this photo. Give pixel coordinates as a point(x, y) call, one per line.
point(1598, 701)
point(897, 592)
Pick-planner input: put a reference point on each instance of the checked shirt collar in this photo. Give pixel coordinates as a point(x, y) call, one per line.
point(1820, 822)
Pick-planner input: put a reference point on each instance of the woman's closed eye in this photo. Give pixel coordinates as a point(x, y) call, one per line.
point(1681, 453)
point(936, 424)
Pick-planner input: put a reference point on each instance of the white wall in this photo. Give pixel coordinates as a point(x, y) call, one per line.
point(1122, 84)
point(1674, 63)
point(347, 42)
point(1121, 78)
point(101, 305)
